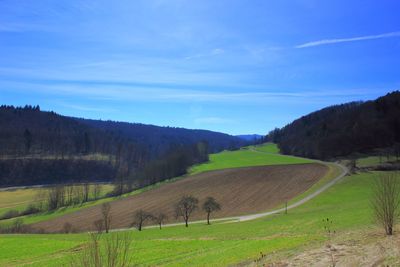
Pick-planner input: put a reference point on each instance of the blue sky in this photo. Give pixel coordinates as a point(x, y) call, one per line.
point(232, 66)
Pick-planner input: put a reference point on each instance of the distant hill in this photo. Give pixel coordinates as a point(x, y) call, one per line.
point(44, 147)
point(250, 137)
point(342, 130)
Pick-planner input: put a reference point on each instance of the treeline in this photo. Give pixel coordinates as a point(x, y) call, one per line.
point(18, 172)
point(342, 130)
point(65, 145)
point(30, 133)
point(59, 196)
point(159, 140)
point(174, 163)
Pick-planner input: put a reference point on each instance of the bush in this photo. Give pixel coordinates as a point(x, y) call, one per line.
point(10, 214)
point(67, 228)
point(31, 209)
point(111, 251)
point(18, 227)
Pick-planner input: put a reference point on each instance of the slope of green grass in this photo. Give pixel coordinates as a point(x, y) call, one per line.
point(371, 161)
point(247, 157)
point(267, 147)
point(346, 204)
point(20, 199)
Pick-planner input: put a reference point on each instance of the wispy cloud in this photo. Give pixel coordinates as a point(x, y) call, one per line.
point(213, 120)
point(130, 92)
point(214, 52)
point(87, 108)
point(351, 39)
point(20, 27)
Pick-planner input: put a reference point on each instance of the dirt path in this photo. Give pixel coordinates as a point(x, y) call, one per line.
point(264, 214)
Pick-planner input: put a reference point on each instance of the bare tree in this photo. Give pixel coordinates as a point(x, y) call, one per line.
point(160, 218)
point(140, 217)
point(40, 199)
point(67, 228)
point(328, 227)
point(56, 197)
point(185, 207)
point(110, 251)
point(105, 213)
point(209, 206)
point(386, 201)
point(86, 191)
point(353, 165)
point(70, 191)
point(98, 224)
point(96, 191)
point(396, 150)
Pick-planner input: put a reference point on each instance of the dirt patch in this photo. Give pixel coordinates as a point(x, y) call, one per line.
point(240, 191)
point(371, 248)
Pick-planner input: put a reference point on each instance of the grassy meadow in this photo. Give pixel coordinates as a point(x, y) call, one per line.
point(267, 148)
point(247, 157)
point(20, 199)
point(346, 204)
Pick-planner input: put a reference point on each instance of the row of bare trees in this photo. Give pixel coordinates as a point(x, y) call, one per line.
point(183, 208)
point(68, 195)
point(52, 198)
point(188, 204)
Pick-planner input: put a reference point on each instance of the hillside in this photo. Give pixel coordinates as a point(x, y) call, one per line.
point(251, 137)
point(240, 191)
point(220, 161)
point(44, 147)
point(342, 130)
point(280, 237)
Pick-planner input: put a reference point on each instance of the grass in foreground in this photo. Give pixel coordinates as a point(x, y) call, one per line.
point(346, 203)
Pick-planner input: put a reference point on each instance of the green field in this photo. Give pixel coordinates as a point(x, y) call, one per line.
point(371, 161)
point(347, 204)
point(247, 157)
point(20, 199)
point(268, 148)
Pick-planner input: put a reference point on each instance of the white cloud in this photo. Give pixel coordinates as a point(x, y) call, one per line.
point(217, 51)
point(212, 120)
point(87, 108)
point(154, 93)
point(352, 39)
point(214, 52)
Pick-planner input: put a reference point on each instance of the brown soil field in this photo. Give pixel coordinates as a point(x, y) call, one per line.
point(240, 191)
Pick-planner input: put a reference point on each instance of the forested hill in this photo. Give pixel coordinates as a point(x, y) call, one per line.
point(343, 130)
point(159, 139)
point(44, 147)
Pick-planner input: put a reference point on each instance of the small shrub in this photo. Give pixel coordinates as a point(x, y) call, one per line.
point(110, 250)
point(31, 209)
point(18, 227)
point(98, 224)
point(67, 228)
point(330, 232)
point(10, 214)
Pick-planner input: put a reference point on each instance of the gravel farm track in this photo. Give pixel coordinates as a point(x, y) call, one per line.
point(241, 191)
